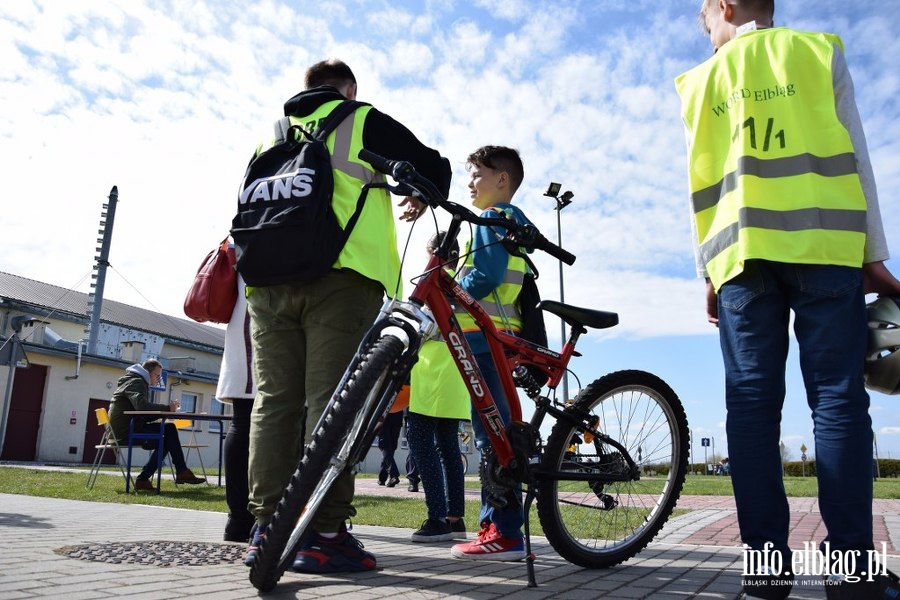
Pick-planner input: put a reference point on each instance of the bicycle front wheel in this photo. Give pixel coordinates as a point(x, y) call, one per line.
point(598, 522)
point(340, 435)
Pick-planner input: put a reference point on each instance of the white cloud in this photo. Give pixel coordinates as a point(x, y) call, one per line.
point(167, 102)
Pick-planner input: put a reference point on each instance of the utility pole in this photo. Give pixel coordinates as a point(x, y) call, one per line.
point(95, 300)
point(561, 202)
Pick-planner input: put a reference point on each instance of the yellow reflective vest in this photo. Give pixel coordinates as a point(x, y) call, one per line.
point(436, 389)
point(772, 170)
point(502, 306)
point(371, 249)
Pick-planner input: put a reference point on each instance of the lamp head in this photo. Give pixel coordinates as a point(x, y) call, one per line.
point(553, 190)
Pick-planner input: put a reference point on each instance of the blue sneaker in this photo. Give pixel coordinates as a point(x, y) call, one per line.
point(340, 554)
point(256, 537)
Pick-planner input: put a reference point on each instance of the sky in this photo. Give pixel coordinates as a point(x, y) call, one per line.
point(167, 100)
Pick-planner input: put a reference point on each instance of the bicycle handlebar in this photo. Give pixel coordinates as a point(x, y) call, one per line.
point(403, 172)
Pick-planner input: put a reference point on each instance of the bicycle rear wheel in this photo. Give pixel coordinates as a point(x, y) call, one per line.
point(344, 431)
point(598, 524)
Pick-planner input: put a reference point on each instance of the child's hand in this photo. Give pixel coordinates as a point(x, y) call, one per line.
point(414, 208)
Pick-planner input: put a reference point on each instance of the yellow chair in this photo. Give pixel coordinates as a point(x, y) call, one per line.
point(107, 442)
point(192, 443)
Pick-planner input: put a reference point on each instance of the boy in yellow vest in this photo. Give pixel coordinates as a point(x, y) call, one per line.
point(493, 277)
point(786, 219)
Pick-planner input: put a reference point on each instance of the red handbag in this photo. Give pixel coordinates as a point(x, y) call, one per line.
point(213, 294)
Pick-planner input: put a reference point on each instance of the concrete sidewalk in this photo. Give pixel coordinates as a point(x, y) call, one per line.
point(73, 550)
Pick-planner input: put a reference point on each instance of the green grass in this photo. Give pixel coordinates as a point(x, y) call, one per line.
point(408, 513)
point(799, 487)
point(372, 510)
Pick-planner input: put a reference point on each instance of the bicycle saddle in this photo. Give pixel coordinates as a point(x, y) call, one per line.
point(575, 316)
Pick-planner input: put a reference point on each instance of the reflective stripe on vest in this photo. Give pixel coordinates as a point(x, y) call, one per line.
point(507, 313)
point(772, 170)
point(371, 249)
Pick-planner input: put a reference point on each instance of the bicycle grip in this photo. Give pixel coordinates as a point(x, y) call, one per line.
point(554, 250)
point(397, 169)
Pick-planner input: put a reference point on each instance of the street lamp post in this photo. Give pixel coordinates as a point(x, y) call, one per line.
point(562, 201)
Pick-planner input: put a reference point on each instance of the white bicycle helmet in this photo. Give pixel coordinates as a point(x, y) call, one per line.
point(882, 369)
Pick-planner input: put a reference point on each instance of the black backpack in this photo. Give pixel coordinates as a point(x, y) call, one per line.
point(533, 327)
point(285, 230)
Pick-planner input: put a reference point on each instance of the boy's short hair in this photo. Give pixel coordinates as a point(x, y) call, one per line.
point(331, 72)
point(500, 158)
point(151, 365)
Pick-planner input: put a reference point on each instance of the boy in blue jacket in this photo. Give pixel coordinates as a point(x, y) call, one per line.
point(494, 277)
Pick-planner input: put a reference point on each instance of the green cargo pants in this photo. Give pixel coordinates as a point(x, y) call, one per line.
point(303, 338)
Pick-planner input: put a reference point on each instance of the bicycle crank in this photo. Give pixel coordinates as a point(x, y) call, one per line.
point(498, 482)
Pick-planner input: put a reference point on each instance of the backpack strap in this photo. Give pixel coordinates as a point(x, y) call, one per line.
point(513, 249)
point(329, 124)
point(336, 117)
point(282, 126)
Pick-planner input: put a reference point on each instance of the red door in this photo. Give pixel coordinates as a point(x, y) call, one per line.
point(25, 408)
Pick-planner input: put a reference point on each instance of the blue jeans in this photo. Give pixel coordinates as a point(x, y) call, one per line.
point(171, 446)
point(388, 438)
point(830, 326)
point(508, 520)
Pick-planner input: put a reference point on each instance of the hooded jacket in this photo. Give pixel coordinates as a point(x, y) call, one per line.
point(132, 393)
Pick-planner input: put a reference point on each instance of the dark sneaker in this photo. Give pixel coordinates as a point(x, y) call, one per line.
point(459, 529)
point(490, 545)
point(340, 554)
point(413, 486)
point(881, 587)
point(392, 481)
point(144, 485)
point(256, 537)
point(433, 530)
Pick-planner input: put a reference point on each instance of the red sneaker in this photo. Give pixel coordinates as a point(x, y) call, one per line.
point(490, 545)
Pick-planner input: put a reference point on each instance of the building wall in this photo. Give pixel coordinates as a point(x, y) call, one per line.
point(67, 398)
point(66, 413)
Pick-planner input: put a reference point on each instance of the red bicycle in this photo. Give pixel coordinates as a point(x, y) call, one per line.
point(608, 475)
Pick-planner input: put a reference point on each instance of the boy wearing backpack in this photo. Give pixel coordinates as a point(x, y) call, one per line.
point(494, 277)
point(305, 334)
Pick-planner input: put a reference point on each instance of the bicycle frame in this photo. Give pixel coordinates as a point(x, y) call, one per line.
point(507, 351)
point(385, 358)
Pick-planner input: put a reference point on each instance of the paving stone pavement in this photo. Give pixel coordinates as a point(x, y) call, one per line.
point(63, 549)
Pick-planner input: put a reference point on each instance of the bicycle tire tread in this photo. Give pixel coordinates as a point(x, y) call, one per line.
point(558, 443)
point(332, 429)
